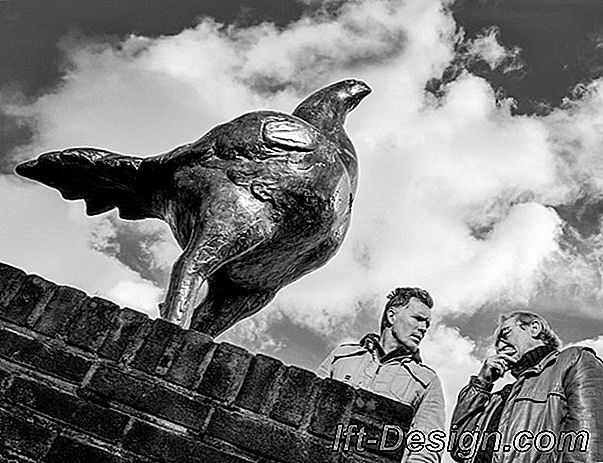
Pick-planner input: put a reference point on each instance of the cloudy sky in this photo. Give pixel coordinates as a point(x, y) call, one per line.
point(480, 149)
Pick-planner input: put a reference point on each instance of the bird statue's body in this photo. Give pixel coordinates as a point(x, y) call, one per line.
point(255, 203)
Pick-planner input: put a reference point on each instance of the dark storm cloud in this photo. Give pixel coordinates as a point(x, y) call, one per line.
point(560, 44)
point(31, 30)
point(281, 336)
point(132, 244)
point(13, 132)
point(584, 216)
point(297, 345)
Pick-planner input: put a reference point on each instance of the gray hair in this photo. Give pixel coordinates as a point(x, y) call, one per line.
point(547, 335)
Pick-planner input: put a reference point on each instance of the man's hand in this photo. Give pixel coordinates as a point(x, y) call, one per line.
point(495, 367)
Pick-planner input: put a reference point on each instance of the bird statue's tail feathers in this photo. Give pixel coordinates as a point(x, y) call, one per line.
point(103, 179)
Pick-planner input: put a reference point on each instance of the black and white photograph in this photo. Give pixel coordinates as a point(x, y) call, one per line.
point(289, 231)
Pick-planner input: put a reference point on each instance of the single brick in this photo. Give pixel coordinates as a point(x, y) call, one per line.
point(91, 324)
point(225, 372)
point(184, 370)
point(169, 353)
point(294, 396)
point(56, 404)
point(4, 380)
point(24, 435)
point(333, 407)
point(8, 456)
point(59, 310)
point(166, 446)
point(11, 279)
point(54, 360)
point(267, 438)
point(33, 292)
point(65, 449)
point(148, 397)
point(41, 398)
point(106, 423)
point(382, 409)
point(149, 354)
point(124, 331)
point(258, 383)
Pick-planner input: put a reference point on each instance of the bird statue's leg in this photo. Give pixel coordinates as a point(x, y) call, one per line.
point(207, 250)
point(186, 281)
point(226, 304)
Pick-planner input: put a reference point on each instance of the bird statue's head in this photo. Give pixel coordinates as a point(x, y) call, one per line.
point(332, 103)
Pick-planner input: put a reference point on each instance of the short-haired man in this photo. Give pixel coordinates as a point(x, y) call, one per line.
point(390, 364)
point(553, 412)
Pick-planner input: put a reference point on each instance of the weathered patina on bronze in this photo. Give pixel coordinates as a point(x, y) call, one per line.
point(255, 203)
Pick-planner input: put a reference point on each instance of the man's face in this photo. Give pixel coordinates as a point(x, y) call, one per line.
point(410, 323)
point(514, 339)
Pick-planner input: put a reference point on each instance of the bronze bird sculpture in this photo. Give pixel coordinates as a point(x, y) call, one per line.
point(255, 203)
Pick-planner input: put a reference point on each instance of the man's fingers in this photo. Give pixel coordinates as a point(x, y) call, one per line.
point(506, 357)
point(499, 363)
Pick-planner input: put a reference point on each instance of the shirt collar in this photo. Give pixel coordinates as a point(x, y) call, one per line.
point(371, 342)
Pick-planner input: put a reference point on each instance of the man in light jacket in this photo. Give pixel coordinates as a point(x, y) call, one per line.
point(553, 412)
point(390, 365)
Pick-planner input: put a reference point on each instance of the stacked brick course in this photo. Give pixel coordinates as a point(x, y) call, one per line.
point(82, 380)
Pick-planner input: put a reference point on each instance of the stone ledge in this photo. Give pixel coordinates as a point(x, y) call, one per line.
point(81, 376)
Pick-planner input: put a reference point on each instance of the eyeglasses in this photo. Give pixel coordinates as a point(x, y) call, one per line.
point(504, 333)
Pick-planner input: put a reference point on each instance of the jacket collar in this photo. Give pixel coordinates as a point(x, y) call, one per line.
point(371, 342)
point(545, 362)
point(530, 359)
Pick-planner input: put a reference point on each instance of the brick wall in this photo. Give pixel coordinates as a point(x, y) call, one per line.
point(83, 380)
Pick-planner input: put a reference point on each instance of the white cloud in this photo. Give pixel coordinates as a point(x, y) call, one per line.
point(486, 46)
point(577, 139)
point(452, 356)
point(38, 234)
point(596, 344)
point(141, 295)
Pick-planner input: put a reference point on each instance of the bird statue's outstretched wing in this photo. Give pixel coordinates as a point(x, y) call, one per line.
point(103, 179)
point(283, 150)
point(289, 133)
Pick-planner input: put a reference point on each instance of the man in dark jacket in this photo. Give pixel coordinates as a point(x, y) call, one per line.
point(390, 365)
point(553, 412)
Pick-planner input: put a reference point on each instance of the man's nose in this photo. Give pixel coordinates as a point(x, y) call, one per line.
point(501, 344)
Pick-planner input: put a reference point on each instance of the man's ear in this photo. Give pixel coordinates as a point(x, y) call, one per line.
point(390, 315)
point(535, 329)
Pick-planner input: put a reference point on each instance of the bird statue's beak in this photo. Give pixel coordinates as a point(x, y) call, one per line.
point(360, 90)
point(357, 93)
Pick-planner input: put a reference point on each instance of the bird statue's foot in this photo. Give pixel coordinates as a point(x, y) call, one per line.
point(180, 317)
point(226, 304)
point(162, 309)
